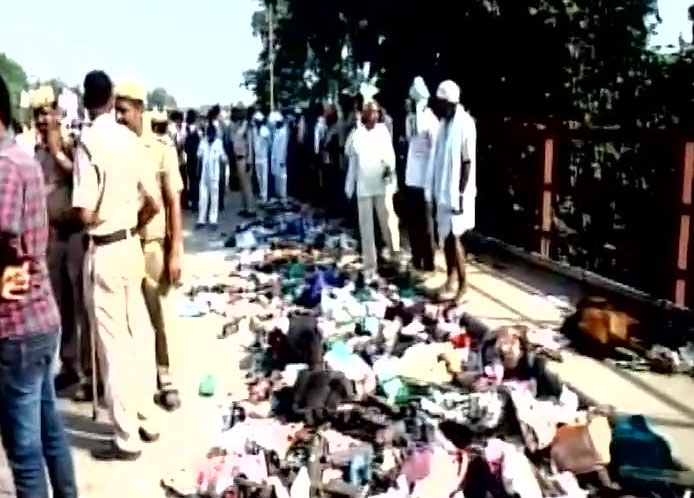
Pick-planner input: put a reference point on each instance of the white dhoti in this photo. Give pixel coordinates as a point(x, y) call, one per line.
point(457, 224)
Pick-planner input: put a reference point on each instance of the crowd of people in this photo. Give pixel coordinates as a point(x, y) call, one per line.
point(91, 236)
point(345, 161)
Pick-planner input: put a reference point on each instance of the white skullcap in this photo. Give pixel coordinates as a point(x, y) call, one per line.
point(419, 90)
point(368, 90)
point(276, 117)
point(258, 116)
point(449, 91)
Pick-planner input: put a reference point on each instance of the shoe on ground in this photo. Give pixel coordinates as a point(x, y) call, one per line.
point(112, 452)
point(147, 436)
point(65, 379)
point(199, 226)
point(168, 399)
point(83, 393)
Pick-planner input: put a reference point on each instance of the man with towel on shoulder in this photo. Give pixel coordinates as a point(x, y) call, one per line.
point(451, 183)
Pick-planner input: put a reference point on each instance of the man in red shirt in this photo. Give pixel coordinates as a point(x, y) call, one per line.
point(30, 426)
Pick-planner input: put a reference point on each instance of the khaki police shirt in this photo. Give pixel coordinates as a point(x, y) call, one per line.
point(163, 166)
point(110, 175)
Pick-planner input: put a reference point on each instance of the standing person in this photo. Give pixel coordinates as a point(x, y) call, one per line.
point(240, 137)
point(30, 426)
point(451, 183)
point(212, 157)
point(261, 153)
point(178, 137)
point(371, 172)
point(190, 147)
point(161, 237)
point(115, 194)
point(66, 245)
point(329, 172)
point(298, 160)
point(280, 144)
point(216, 119)
point(421, 134)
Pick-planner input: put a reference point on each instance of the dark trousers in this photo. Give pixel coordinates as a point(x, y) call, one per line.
point(222, 185)
point(193, 183)
point(420, 229)
point(32, 431)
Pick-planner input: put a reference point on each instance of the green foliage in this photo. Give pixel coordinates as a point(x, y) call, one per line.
point(571, 60)
point(159, 98)
point(14, 76)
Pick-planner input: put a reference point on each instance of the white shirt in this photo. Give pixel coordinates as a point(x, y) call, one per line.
point(426, 127)
point(280, 141)
point(370, 152)
point(318, 133)
point(261, 144)
point(456, 141)
point(211, 155)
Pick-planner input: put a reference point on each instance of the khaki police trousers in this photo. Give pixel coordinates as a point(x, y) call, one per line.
point(125, 339)
point(245, 183)
point(158, 298)
point(66, 259)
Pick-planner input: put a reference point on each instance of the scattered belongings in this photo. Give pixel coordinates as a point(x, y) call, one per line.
point(368, 389)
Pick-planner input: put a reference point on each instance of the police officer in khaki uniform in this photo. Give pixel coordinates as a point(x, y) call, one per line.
point(66, 245)
point(161, 237)
point(115, 195)
point(240, 138)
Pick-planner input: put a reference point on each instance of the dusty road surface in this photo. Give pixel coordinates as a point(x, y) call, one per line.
point(498, 295)
point(184, 433)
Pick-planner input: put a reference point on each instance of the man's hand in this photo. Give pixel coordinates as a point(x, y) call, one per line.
point(14, 282)
point(173, 267)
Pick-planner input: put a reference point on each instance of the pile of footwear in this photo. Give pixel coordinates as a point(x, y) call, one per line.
point(364, 388)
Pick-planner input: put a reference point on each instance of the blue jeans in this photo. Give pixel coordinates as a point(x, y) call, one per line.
point(31, 429)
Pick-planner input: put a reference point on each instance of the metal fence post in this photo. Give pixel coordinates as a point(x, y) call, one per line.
point(547, 194)
point(682, 268)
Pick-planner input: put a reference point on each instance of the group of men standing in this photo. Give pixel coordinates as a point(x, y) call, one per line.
point(255, 148)
point(90, 238)
point(440, 181)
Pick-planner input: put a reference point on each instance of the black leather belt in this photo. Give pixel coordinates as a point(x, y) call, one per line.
point(117, 236)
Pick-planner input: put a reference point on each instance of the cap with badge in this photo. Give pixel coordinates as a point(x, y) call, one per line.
point(131, 90)
point(42, 97)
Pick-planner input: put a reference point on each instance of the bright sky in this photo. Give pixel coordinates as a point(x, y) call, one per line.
point(144, 40)
point(675, 21)
point(67, 39)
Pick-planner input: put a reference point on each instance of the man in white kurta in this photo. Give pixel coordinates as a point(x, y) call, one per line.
point(451, 183)
point(422, 131)
point(371, 173)
point(261, 153)
point(212, 157)
point(278, 155)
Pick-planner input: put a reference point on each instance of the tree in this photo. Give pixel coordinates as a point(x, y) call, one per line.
point(159, 98)
point(15, 78)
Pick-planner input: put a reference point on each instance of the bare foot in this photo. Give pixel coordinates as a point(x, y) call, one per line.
point(461, 297)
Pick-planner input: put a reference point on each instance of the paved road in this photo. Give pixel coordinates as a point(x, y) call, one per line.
point(515, 294)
